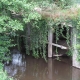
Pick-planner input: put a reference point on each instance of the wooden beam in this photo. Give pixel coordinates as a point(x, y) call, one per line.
point(57, 45)
point(57, 55)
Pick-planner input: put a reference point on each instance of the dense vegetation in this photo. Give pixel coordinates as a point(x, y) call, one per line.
point(18, 18)
point(14, 15)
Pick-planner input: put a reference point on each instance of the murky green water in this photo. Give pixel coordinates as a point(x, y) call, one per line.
point(28, 68)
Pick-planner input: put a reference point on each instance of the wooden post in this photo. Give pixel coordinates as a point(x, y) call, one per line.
point(75, 53)
point(50, 37)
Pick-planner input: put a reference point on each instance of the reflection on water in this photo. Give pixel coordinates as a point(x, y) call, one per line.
point(18, 64)
point(28, 68)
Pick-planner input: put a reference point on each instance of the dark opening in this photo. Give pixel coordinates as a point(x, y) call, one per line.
point(62, 41)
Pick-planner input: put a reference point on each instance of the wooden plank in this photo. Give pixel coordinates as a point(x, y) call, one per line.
point(57, 45)
point(57, 55)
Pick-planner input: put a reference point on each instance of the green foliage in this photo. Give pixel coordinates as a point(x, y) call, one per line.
point(4, 45)
point(14, 14)
point(3, 75)
point(38, 38)
point(78, 38)
point(8, 26)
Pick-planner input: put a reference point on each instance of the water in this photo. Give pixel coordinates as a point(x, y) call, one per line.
point(28, 68)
